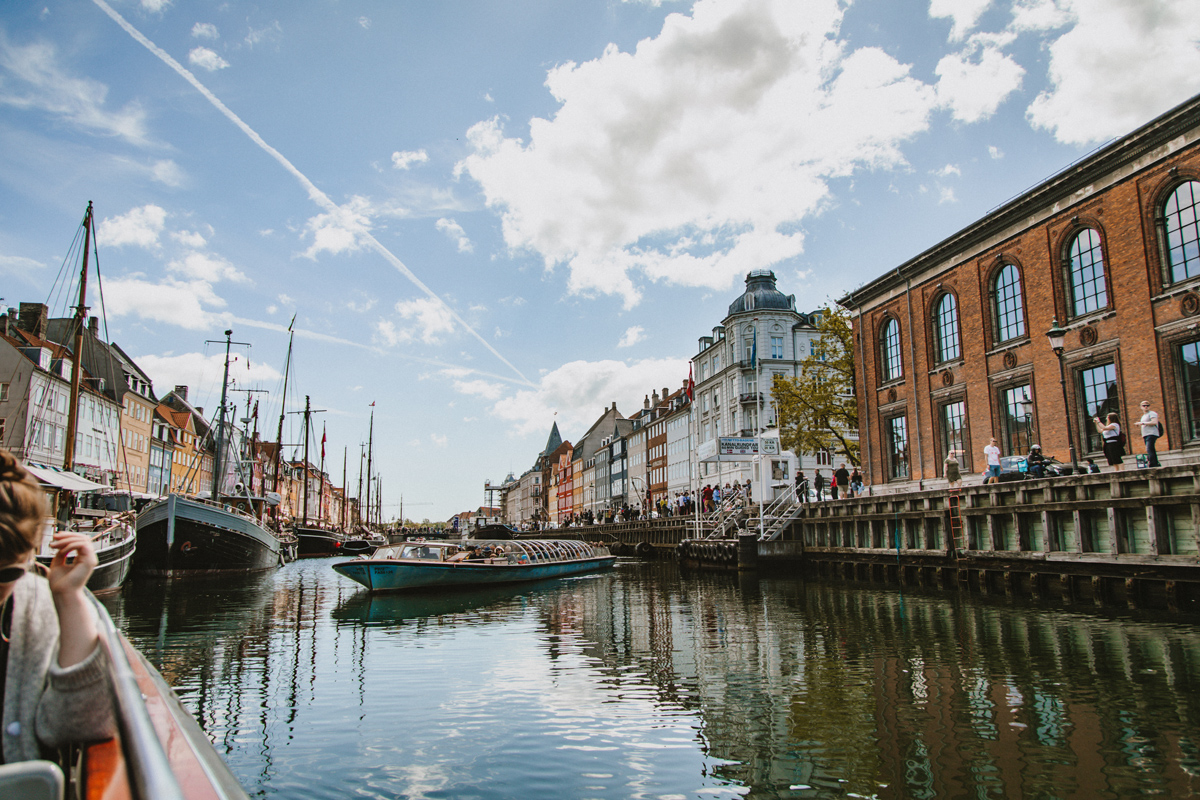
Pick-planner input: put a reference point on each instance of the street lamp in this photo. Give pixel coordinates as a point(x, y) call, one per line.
point(1027, 411)
point(1057, 337)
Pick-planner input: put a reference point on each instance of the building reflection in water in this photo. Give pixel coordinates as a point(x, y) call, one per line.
point(643, 681)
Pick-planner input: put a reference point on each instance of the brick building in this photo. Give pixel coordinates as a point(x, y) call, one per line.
point(951, 345)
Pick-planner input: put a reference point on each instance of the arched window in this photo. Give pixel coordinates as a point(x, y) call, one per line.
point(889, 351)
point(1085, 265)
point(945, 329)
point(1180, 226)
point(1010, 315)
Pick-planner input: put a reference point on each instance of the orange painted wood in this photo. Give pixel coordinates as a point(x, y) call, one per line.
point(104, 771)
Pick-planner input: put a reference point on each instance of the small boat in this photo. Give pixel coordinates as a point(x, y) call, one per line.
point(160, 752)
point(428, 564)
point(114, 542)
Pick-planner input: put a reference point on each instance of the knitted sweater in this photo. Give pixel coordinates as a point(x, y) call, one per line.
point(42, 701)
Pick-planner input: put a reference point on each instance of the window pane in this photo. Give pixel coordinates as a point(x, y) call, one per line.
point(953, 427)
point(1010, 319)
point(776, 347)
point(1183, 242)
point(945, 323)
point(1016, 420)
point(1087, 274)
point(898, 446)
point(1189, 358)
point(1098, 388)
point(892, 366)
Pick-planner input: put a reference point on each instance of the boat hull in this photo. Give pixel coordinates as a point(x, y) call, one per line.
point(115, 564)
point(317, 543)
point(179, 536)
point(398, 576)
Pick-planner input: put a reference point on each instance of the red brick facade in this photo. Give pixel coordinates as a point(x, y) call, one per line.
point(1129, 341)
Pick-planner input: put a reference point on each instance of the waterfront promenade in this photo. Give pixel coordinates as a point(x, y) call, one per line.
point(1129, 537)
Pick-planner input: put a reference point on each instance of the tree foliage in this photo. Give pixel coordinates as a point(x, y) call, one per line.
point(818, 409)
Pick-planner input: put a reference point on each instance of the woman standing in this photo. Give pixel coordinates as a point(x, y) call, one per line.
point(52, 670)
point(1114, 443)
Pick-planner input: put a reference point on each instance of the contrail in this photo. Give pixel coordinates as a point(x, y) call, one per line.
point(314, 194)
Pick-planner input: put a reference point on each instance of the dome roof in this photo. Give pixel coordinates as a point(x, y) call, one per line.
point(761, 294)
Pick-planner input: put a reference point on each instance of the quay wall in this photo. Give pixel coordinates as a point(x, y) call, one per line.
point(1131, 536)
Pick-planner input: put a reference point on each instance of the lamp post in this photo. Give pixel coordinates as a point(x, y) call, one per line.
point(1027, 411)
point(1057, 337)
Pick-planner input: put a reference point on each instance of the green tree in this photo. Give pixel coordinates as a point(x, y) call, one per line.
point(818, 409)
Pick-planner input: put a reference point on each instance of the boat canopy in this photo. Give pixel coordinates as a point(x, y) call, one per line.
point(512, 551)
point(52, 476)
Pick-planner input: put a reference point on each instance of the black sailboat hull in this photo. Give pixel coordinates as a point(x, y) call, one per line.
point(114, 567)
point(317, 543)
point(180, 536)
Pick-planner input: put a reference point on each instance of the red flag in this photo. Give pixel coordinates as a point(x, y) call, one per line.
point(691, 384)
point(372, 404)
point(322, 443)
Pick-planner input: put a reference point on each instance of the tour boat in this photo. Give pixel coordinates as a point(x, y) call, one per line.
point(429, 564)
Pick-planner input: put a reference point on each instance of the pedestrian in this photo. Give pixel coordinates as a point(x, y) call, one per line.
point(1152, 429)
point(856, 482)
point(1091, 466)
point(951, 471)
point(819, 485)
point(841, 481)
point(992, 454)
point(801, 486)
point(1114, 440)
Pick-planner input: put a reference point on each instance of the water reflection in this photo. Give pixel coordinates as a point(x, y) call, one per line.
point(643, 682)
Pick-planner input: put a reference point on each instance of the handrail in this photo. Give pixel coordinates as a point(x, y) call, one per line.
point(149, 769)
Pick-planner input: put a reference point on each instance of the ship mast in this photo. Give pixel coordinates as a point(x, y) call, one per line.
point(77, 362)
point(219, 466)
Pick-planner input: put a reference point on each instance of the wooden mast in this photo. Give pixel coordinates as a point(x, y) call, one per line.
point(77, 362)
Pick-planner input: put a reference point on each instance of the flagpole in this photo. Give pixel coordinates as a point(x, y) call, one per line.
point(693, 449)
point(758, 430)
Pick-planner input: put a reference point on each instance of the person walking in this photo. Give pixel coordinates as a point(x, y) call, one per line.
point(1114, 442)
point(951, 471)
point(841, 481)
point(1152, 429)
point(992, 454)
point(856, 483)
point(801, 486)
point(819, 485)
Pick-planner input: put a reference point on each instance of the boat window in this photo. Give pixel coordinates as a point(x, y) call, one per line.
point(422, 551)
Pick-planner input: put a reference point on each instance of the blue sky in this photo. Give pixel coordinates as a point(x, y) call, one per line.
point(490, 216)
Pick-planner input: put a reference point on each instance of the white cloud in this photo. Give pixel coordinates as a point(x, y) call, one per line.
point(404, 159)
point(340, 231)
point(948, 170)
point(974, 82)
point(207, 268)
point(1121, 63)
point(18, 264)
point(581, 390)
point(272, 32)
point(424, 318)
point(438, 439)
point(167, 172)
point(488, 390)
point(946, 195)
point(155, 6)
point(632, 336)
point(207, 59)
point(455, 232)
point(964, 13)
point(205, 30)
point(197, 371)
point(995, 152)
point(175, 302)
point(138, 226)
point(37, 82)
point(691, 159)
point(365, 23)
point(190, 239)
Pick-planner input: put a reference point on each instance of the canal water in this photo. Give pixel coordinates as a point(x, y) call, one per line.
point(645, 682)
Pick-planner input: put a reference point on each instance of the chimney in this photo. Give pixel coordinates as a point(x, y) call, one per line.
point(181, 392)
point(666, 393)
point(654, 401)
point(34, 317)
point(94, 326)
point(614, 405)
point(646, 403)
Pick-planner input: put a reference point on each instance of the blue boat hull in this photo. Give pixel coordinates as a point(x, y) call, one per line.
point(396, 576)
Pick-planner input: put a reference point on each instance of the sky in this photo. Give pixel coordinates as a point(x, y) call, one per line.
point(490, 216)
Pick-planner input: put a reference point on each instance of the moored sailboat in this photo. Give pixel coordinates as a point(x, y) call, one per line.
point(180, 535)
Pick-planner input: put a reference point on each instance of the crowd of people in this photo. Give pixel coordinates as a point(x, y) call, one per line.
point(841, 484)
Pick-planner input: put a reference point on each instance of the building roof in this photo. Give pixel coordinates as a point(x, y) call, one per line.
point(761, 294)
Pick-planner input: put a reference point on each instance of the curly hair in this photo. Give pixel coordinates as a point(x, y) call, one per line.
point(22, 509)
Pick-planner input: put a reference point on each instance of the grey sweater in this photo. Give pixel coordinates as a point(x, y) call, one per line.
point(42, 701)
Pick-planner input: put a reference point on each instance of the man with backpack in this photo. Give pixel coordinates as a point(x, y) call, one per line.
point(1152, 429)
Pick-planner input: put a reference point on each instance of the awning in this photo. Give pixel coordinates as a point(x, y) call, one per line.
point(62, 479)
